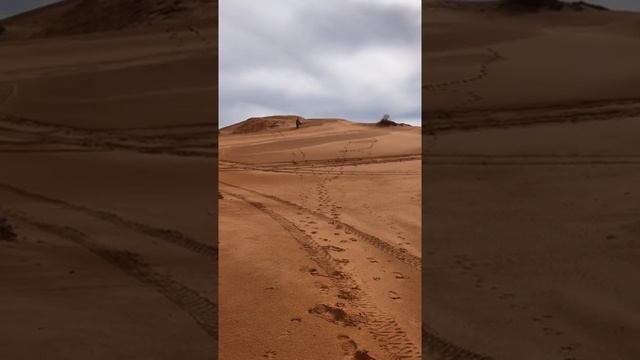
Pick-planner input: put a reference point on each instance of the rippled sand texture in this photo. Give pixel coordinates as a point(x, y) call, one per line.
point(107, 146)
point(531, 166)
point(320, 247)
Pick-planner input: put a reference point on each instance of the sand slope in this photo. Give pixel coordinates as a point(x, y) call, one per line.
point(107, 143)
point(325, 220)
point(531, 250)
point(583, 62)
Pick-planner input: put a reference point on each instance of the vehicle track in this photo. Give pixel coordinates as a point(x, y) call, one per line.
point(394, 251)
point(320, 172)
point(200, 308)
point(380, 325)
point(12, 90)
point(593, 110)
point(331, 162)
point(171, 236)
point(440, 349)
point(320, 167)
point(530, 160)
point(183, 144)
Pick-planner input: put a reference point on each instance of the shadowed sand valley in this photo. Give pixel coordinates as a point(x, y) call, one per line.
point(107, 145)
point(531, 167)
point(319, 240)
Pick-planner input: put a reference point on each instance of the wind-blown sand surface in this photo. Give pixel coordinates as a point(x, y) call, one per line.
point(319, 240)
point(531, 241)
point(107, 146)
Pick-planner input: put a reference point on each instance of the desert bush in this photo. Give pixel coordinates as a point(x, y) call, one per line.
point(531, 4)
point(385, 121)
point(6, 231)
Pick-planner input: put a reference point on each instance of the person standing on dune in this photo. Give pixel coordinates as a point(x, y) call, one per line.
point(298, 123)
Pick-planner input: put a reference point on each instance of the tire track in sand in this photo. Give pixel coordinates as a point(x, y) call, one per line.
point(394, 251)
point(502, 117)
point(382, 327)
point(200, 308)
point(442, 349)
point(12, 90)
point(193, 145)
point(170, 236)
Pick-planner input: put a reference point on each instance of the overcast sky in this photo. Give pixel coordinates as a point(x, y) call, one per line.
point(631, 5)
point(12, 7)
point(354, 59)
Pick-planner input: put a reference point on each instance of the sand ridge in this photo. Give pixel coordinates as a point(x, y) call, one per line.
point(530, 162)
point(107, 143)
point(366, 277)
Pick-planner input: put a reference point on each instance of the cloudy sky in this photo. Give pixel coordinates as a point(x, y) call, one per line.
point(354, 59)
point(631, 5)
point(12, 7)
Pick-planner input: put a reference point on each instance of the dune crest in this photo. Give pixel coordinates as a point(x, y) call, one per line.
point(265, 123)
point(78, 17)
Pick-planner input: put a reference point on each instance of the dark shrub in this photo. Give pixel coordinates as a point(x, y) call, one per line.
point(531, 4)
point(6, 231)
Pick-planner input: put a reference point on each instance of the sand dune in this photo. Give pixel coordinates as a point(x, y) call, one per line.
point(476, 65)
point(326, 222)
point(530, 252)
point(107, 143)
point(78, 17)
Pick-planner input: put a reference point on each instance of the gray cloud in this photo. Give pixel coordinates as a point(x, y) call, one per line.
point(353, 59)
point(12, 7)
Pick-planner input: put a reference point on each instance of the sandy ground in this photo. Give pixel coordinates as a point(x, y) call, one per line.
point(107, 145)
point(320, 242)
point(531, 250)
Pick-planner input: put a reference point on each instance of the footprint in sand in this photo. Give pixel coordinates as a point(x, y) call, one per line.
point(350, 349)
point(270, 355)
point(398, 275)
point(372, 260)
point(333, 248)
point(311, 271)
point(394, 295)
point(566, 348)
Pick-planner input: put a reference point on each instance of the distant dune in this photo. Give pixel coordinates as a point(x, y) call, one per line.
point(267, 123)
point(492, 68)
point(75, 17)
point(288, 122)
